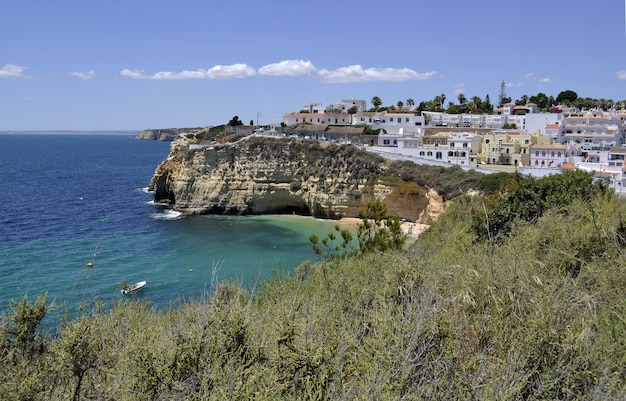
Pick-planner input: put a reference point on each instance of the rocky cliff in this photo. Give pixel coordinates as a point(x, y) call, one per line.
point(264, 175)
point(165, 134)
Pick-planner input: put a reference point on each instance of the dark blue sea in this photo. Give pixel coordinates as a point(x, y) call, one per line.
point(73, 199)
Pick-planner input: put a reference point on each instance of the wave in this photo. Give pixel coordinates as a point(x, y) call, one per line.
point(145, 190)
point(167, 214)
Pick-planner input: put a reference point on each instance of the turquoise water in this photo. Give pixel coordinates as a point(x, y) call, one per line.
point(74, 199)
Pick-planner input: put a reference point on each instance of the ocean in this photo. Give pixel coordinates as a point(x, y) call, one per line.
point(74, 199)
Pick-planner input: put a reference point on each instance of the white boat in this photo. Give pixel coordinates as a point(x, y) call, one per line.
point(133, 287)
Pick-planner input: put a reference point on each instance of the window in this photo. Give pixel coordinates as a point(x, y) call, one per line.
point(543, 154)
point(407, 120)
point(390, 119)
point(486, 140)
point(438, 155)
point(552, 154)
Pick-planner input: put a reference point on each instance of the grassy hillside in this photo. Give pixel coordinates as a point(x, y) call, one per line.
point(537, 312)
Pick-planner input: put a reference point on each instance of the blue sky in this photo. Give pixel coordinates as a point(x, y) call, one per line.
point(136, 64)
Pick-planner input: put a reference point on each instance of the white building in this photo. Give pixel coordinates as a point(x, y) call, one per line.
point(317, 118)
point(548, 155)
point(451, 148)
point(398, 124)
point(346, 104)
point(593, 132)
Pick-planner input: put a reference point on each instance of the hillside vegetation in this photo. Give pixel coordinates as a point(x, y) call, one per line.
point(529, 310)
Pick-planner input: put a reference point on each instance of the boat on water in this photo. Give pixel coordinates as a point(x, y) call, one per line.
point(133, 287)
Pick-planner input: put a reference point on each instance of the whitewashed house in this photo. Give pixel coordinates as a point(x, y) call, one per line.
point(548, 155)
point(449, 148)
point(391, 123)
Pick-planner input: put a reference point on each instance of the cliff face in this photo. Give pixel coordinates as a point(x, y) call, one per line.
point(167, 134)
point(264, 175)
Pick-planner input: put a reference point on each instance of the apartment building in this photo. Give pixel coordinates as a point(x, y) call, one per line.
point(450, 148)
point(595, 131)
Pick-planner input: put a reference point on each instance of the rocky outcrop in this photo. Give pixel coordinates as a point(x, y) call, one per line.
point(264, 175)
point(167, 134)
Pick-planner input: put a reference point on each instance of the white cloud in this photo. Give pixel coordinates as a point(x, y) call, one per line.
point(458, 89)
point(621, 74)
point(356, 73)
point(234, 71)
point(545, 80)
point(290, 68)
point(12, 71)
point(530, 75)
point(220, 72)
point(84, 75)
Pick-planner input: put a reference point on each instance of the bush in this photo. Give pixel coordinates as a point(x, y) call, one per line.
point(529, 198)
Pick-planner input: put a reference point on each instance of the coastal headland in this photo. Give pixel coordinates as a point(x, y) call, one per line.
point(263, 175)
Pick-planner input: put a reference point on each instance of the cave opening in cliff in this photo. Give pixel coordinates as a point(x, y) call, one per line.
point(301, 210)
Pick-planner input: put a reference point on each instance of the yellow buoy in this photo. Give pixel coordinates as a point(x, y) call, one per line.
point(190, 270)
point(89, 264)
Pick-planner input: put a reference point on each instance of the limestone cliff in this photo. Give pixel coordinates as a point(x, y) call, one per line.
point(263, 175)
point(165, 134)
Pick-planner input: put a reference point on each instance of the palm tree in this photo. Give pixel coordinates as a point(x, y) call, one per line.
point(462, 98)
point(443, 99)
point(437, 102)
point(410, 102)
point(376, 102)
point(475, 102)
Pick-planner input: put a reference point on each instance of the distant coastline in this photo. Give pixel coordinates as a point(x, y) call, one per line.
point(71, 132)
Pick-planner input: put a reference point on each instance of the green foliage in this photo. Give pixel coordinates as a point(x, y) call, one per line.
point(376, 102)
point(447, 319)
point(566, 97)
point(530, 198)
point(19, 330)
point(449, 182)
point(338, 243)
point(378, 231)
point(235, 121)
